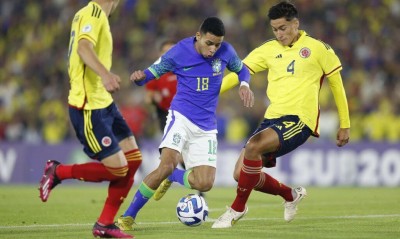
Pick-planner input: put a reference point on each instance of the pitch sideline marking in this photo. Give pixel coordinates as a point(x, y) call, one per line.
point(209, 220)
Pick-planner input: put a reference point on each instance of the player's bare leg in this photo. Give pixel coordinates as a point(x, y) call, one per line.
point(169, 160)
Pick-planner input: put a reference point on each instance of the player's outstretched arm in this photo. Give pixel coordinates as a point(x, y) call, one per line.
point(228, 82)
point(141, 77)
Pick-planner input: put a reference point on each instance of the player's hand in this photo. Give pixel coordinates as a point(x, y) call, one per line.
point(111, 82)
point(137, 76)
point(246, 95)
point(342, 137)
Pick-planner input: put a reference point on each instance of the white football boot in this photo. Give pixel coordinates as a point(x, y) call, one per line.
point(291, 207)
point(229, 218)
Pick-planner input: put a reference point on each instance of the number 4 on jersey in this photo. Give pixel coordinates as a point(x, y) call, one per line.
point(290, 67)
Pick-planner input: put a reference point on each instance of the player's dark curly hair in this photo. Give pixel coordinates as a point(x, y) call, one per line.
point(213, 25)
point(283, 9)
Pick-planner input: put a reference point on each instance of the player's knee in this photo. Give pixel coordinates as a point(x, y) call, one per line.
point(251, 146)
point(204, 187)
point(119, 172)
point(253, 150)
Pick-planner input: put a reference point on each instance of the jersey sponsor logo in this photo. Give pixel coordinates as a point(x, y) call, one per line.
point(106, 141)
point(187, 68)
point(305, 52)
point(279, 56)
point(87, 28)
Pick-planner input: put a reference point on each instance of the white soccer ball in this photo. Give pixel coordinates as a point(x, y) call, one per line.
point(192, 210)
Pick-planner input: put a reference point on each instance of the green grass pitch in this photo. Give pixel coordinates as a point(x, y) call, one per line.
point(334, 212)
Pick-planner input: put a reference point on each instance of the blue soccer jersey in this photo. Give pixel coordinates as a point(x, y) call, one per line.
point(199, 79)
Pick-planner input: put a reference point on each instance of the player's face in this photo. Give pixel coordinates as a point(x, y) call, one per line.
point(285, 31)
point(207, 44)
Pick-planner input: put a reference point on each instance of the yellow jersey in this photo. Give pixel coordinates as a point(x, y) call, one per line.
point(87, 90)
point(295, 76)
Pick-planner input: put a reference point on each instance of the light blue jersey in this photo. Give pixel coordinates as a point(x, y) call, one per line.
point(199, 79)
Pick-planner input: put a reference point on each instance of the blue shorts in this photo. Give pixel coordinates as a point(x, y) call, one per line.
point(99, 131)
point(292, 133)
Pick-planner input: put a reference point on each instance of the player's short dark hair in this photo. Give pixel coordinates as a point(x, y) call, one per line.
point(213, 25)
point(283, 9)
point(166, 42)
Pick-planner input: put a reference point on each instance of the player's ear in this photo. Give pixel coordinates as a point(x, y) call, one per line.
point(197, 36)
point(297, 23)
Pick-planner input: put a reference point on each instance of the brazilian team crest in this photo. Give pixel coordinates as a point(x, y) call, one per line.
point(177, 138)
point(216, 65)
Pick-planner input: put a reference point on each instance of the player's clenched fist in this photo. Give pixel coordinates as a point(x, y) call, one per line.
point(111, 82)
point(138, 76)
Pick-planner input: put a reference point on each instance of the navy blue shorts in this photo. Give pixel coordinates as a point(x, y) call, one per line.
point(292, 133)
point(99, 131)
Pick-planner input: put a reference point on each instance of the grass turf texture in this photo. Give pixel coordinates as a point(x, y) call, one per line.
point(325, 213)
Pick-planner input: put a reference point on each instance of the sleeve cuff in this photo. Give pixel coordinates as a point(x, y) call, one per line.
point(244, 83)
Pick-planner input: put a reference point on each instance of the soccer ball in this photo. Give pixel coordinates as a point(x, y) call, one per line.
point(192, 210)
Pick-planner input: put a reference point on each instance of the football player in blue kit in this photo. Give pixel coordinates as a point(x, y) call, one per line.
point(191, 129)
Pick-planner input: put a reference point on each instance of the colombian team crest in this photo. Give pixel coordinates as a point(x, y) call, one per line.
point(305, 52)
point(216, 65)
point(106, 141)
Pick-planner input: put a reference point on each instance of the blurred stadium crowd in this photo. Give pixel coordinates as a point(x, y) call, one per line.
point(35, 35)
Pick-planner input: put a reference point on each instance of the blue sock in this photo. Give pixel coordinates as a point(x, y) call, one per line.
point(181, 176)
point(177, 176)
point(141, 197)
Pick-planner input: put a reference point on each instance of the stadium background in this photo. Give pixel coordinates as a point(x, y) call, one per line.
point(34, 123)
